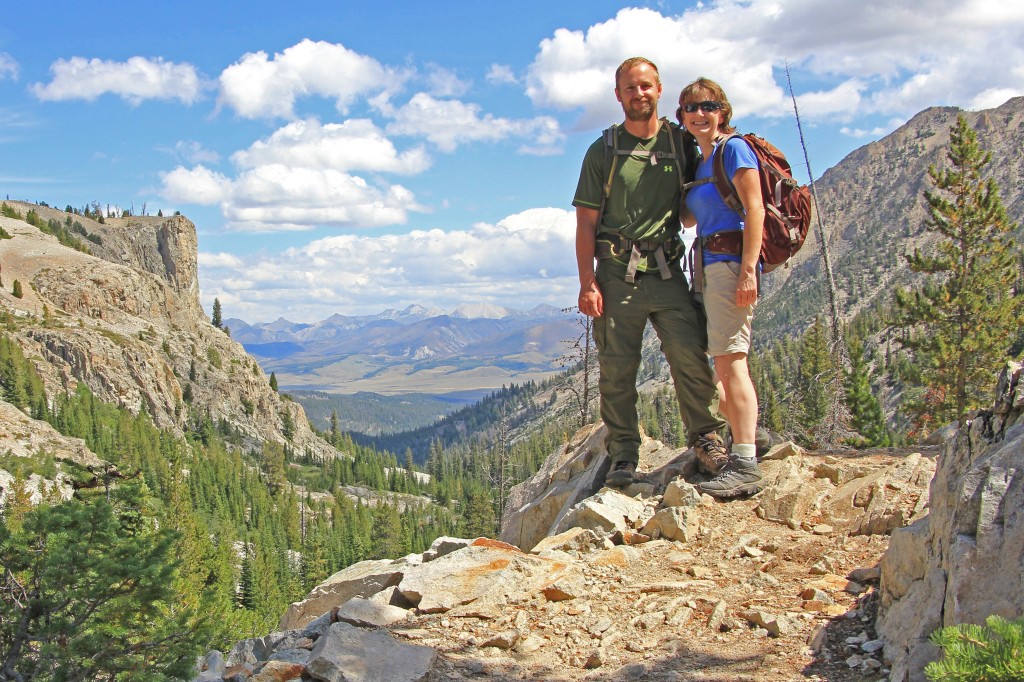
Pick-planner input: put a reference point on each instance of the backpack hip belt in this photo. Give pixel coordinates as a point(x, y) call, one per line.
point(611, 245)
point(726, 243)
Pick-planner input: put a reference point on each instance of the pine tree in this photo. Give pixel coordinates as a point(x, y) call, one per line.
point(273, 382)
point(89, 595)
point(16, 289)
point(964, 316)
point(218, 320)
point(867, 417)
point(816, 375)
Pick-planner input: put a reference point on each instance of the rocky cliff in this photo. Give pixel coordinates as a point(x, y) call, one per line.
point(964, 561)
point(125, 320)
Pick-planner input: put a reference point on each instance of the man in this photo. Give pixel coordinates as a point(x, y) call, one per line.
point(627, 217)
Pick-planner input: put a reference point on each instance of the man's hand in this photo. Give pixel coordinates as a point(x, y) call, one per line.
point(591, 302)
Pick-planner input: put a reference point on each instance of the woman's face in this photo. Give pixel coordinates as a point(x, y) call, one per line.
point(701, 118)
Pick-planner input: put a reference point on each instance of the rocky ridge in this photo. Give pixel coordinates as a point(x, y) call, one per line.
point(126, 321)
point(655, 582)
point(963, 561)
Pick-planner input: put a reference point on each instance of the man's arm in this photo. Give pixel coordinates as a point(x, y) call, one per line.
point(590, 301)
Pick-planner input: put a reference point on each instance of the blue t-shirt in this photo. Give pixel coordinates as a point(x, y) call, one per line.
point(714, 215)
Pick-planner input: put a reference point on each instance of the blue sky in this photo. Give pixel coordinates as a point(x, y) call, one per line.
point(348, 157)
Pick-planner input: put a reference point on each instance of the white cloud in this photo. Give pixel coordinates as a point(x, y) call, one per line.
point(355, 144)
point(523, 260)
point(442, 82)
point(302, 177)
point(8, 67)
point(191, 151)
point(259, 87)
point(448, 123)
point(860, 58)
point(501, 74)
point(992, 98)
point(220, 260)
point(135, 80)
point(198, 185)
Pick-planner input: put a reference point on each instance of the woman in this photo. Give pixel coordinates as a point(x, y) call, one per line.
point(730, 244)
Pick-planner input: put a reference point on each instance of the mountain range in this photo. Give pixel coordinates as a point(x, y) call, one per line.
point(474, 348)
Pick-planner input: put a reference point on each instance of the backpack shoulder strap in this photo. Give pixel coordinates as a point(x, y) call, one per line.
point(675, 144)
point(611, 159)
point(723, 183)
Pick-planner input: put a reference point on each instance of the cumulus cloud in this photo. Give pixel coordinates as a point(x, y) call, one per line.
point(303, 176)
point(463, 123)
point(198, 185)
point(135, 80)
point(258, 86)
point(524, 257)
point(355, 144)
point(865, 58)
point(8, 67)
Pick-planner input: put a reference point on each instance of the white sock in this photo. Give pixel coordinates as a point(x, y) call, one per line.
point(746, 452)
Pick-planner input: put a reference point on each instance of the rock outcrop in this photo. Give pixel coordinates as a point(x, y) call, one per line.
point(652, 582)
point(126, 321)
point(964, 561)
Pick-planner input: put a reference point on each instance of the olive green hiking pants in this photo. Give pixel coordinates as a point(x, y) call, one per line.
point(618, 334)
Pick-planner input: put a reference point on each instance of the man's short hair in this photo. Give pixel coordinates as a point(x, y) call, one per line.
point(633, 61)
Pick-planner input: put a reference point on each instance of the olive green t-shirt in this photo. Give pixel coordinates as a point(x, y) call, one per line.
point(644, 198)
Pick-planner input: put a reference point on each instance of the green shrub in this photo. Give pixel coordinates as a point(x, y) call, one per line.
point(975, 653)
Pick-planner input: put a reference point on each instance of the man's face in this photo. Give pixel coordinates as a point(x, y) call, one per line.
point(638, 90)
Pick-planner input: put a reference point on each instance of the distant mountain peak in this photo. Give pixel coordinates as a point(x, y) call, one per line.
point(480, 310)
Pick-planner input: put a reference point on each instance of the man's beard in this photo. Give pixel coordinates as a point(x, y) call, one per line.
point(642, 112)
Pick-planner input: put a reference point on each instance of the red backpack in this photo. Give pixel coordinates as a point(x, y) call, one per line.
point(787, 204)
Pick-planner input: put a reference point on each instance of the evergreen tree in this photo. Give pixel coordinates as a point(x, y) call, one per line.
point(89, 595)
point(816, 375)
point(866, 413)
point(16, 289)
point(274, 467)
point(963, 318)
point(388, 539)
point(218, 319)
point(273, 382)
point(335, 430)
point(479, 518)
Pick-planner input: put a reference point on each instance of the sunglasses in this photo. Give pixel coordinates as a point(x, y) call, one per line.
point(706, 106)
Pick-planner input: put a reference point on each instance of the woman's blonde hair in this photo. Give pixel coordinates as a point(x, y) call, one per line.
point(706, 89)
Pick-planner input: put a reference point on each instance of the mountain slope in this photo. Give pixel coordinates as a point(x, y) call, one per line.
point(126, 321)
point(873, 210)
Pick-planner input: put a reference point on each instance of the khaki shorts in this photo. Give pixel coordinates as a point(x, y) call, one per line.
point(728, 324)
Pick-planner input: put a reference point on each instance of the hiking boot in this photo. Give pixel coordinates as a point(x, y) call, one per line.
point(763, 441)
point(621, 474)
point(711, 453)
point(739, 477)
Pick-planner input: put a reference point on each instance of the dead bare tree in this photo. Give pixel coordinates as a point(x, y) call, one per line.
point(835, 426)
point(582, 356)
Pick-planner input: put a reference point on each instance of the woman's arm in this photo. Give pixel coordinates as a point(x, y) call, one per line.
point(748, 186)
